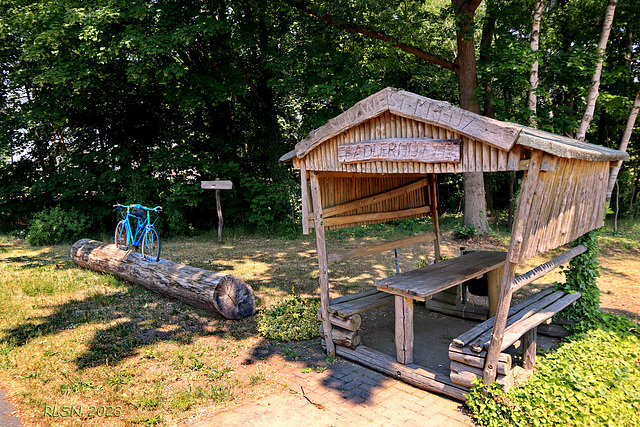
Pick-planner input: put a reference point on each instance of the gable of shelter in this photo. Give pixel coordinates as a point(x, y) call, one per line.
point(392, 143)
point(415, 107)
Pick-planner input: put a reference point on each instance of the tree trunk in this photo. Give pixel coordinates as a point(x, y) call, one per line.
point(533, 77)
point(594, 86)
point(220, 292)
point(633, 115)
point(475, 213)
point(488, 29)
point(465, 68)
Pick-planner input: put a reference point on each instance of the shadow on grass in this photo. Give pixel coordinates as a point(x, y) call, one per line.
point(124, 322)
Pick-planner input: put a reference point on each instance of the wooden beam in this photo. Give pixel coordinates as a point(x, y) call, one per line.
point(378, 216)
point(370, 200)
point(304, 185)
point(504, 363)
point(322, 264)
point(373, 249)
point(543, 269)
point(433, 202)
point(411, 374)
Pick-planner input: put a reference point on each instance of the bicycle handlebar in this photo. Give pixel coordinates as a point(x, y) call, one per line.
point(138, 206)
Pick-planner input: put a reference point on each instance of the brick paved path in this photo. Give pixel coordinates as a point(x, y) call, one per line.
point(340, 393)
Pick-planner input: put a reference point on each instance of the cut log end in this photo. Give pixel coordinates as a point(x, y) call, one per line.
point(234, 298)
point(222, 293)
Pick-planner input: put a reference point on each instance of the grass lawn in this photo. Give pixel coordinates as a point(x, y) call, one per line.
point(73, 338)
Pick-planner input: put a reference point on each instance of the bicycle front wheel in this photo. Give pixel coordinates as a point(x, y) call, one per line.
point(151, 245)
point(121, 236)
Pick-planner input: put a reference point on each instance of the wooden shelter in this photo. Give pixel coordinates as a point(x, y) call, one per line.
point(378, 161)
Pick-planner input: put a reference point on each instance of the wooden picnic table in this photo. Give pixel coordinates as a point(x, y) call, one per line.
point(422, 283)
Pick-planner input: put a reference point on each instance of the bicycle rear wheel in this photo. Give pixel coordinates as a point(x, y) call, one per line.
point(151, 245)
point(121, 236)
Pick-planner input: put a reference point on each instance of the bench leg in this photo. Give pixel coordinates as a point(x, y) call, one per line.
point(494, 279)
point(529, 348)
point(404, 329)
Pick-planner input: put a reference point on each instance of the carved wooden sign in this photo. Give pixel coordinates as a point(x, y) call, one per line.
point(424, 150)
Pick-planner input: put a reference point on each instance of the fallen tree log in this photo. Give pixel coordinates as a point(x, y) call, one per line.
point(220, 292)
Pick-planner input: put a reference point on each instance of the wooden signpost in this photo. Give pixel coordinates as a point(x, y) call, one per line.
point(218, 185)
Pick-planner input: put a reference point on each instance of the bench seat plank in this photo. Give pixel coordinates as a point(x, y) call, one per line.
point(530, 316)
point(515, 331)
point(360, 302)
point(478, 330)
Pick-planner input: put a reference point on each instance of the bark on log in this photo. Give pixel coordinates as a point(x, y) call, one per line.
point(220, 292)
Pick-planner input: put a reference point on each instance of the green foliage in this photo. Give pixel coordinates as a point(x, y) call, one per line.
point(591, 380)
point(53, 226)
point(581, 276)
point(293, 319)
point(465, 231)
point(133, 100)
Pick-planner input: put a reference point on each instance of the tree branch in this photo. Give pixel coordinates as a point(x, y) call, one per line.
point(394, 42)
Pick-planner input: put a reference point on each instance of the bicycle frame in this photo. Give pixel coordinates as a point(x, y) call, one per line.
point(134, 239)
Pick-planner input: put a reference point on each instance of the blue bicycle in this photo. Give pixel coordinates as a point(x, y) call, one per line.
point(144, 237)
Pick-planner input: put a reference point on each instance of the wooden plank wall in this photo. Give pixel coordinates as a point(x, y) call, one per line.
point(337, 191)
point(568, 203)
point(476, 156)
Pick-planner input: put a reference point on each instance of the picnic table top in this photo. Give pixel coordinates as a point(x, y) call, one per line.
point(423, 282)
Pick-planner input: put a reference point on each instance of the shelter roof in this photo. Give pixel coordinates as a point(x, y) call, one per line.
point(499, 134)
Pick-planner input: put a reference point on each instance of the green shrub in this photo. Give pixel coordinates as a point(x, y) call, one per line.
point(465, 232)
point(582, 276)
point(52, 226)
point(592, 380)
point(293, 319)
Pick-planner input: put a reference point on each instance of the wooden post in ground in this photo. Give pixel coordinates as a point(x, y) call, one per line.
point(506, 292)
point(404, 329)
point(304, 186)
point(529, 348)
point(433, 192)
point(322, 263)
point(494, 280)
point(218, 185)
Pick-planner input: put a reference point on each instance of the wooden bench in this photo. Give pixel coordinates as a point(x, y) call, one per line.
point(344, 314)
point(468, 351)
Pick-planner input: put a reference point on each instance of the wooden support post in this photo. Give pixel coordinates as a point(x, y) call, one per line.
point(529, 348)
point(322, 263)
point(305, 198)
point(433, 191)
point(220, 220)
point(494, 279)
point(404, 329)
point(515, 247)
point(499, 324)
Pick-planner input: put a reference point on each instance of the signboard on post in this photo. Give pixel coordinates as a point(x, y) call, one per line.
point(217, 185)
